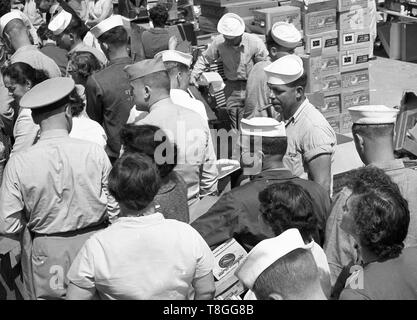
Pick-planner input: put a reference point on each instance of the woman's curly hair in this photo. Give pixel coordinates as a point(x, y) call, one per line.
point(82, 65)
point(287, 205)
point(159, 15)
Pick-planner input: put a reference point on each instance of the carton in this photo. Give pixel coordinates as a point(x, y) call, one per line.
point(354, 19)
point(314, 5)
point(263, 19)
point(220, 3)
point(347, 5)
point(354, 59)
point(332, 105)
point(322, 43)
point(353, 39)
point(242, 9)
point(334, 121)
point(330, 63)
point(345, 125)
point(312, 67)
point(319, 21)
point(316, 99)
point(355, 97)
point(355, 79)
point(331, 84)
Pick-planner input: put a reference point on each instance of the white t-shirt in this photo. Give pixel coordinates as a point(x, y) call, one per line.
point(86, 129)
point(143, 258)
point(183, 99)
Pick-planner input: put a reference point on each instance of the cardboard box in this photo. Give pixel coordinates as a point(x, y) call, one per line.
point(354, 59)
point(316, 99)
point(314, 5)
point(356, 97)
point(353, 39)
point(330, 64)
point(346, 5)
point(331, 84)
point(242, 9)
point(355, 79)
point(354, 19)
point(312, 67)
point(319, 21)
point(345, 125)
point(334, 121)
point(322, 43)
point(263, 19)
point(219, 3)
point(227, 258)
point(332, 105)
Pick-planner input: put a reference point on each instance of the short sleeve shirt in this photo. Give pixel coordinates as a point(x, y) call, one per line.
point(142, 258)
point(309, 135)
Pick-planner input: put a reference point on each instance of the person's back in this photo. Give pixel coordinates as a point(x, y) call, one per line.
point(394, 279)
point(59, 55)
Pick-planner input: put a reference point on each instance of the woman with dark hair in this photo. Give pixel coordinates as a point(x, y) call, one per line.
point(158, 38)
point(142, 255)
point(19, 78)
point(287, 205)
point(148, 139)
point(83, 64)
point(378, 218)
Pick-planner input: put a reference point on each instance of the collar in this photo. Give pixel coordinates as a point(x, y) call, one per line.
point(297, 113)
point(161, 103)
point(26, 48)
point(142, 220)
point(278, 174)
point(55, 133)
point(389, 165)
point(121, 60)
point(242, 44)
point(180, 93)
point(158, 30)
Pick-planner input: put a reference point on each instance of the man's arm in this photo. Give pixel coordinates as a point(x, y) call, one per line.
point(113, 208)
point(261, 53)
point(94, 106)
point(77, 293)
point(319, 169)
point(208, 172)
point(209, 55)
point(204, 287)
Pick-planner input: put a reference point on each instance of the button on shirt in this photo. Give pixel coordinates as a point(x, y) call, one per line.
point(237, 61)
point(57, 185)
point(153, 258)
point(309, 135)
point(196, 161)
point(36, 59)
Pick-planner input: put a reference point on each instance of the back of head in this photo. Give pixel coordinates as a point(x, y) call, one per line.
point(293, 276)
point(374, 131)
point(77, 28)
point(83, 64)
point(148, 139)
point(159, 15)
point(116, 37)
point(134, 181)
point(159, 81)
point(174, 67)
point(44, 33)
point(287, 205)
point(22, 72)
point(16, 28)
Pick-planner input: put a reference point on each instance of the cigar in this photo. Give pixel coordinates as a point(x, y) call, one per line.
point(265, 107)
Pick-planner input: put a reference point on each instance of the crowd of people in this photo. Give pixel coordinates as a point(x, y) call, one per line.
point(110, 176)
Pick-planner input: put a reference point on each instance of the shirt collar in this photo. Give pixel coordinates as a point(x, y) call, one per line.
point(279, 174)
point(389, 165)
point(121, 60)
point(26, 48)
point(297, 113)
point(161, 103)
point(180, 93)
point(56, 133)
point(142, 220)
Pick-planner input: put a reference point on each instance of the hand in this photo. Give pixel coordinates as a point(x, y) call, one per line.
point(172, 43)
point(194, 80)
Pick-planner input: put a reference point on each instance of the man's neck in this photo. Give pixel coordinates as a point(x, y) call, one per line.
point(295, 108)
point(160, 97)
point(270, 164)
point(119, 53)
point(381, 153)
point(20, 43)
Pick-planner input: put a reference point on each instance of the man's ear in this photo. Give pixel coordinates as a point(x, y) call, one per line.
point(147, 92)
point(299, 92)
point(273, 51)
point(359, 141)
point(68, 110)
point(275, 296)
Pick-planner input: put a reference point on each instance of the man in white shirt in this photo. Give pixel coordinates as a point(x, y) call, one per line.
point(178, 66)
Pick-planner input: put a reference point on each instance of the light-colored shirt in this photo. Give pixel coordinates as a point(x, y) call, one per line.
point(37, 60)
point(237, 61)
point(142, 258)
point(57, 185)
point(24, 131)
point(86, 129)
point(196, 160)
point(340, 247)
point(309, 135)
point(184, 99)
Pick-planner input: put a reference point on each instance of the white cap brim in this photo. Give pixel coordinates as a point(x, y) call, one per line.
point(231, 25)
point(285, 70)
point(373, 114)
point(5, 19)
point(60, 22)
point(108, 24)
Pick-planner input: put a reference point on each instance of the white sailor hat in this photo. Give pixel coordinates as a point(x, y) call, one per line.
point(176, 56)
point(285, 34)
point(47, 93)
point(373, 114)
point(231, 25)
point(284, 70)
point(60, 22)
point(262, 127)
point(6, 18)
point(108, 24)
point(266, 252)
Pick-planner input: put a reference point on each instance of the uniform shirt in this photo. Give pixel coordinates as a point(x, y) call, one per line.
point(340, 247)
point(393, 279)
point(184, 99)
point(236, 213)
point(237, 61)
point(57, 185)
point(155, 40)
point(59, 55)
point(153, 258)
point(86, 129)
point(24, 131)
point(196, 160)
point(309, 135)
point(108, 101)
point(32, 56)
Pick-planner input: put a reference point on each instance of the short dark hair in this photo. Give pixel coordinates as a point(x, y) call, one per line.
point(173, 66)
point(116, 36)
point(159, 15)
point(142, 139)
point(289, 276)
point(134, 180)
point(270, 145)
point(158, 80)
point(373, 131)
point(287, 205)
point(380, 213)
point(300, 82)
point(76, 103)
point(77, 27)
point(84, 64)
point(22, 72)
point(44, 33)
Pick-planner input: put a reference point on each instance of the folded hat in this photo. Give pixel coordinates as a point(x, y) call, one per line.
point(6, 18)
point(285, 70)
point(60, 22)
point(286, 34)
point(176, 56)
point(231, 25)
point(144, 67)
point(108, 24)
point(262, 127)
point(373, 114)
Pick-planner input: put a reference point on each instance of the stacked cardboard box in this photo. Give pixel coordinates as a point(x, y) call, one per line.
point(353, 22)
